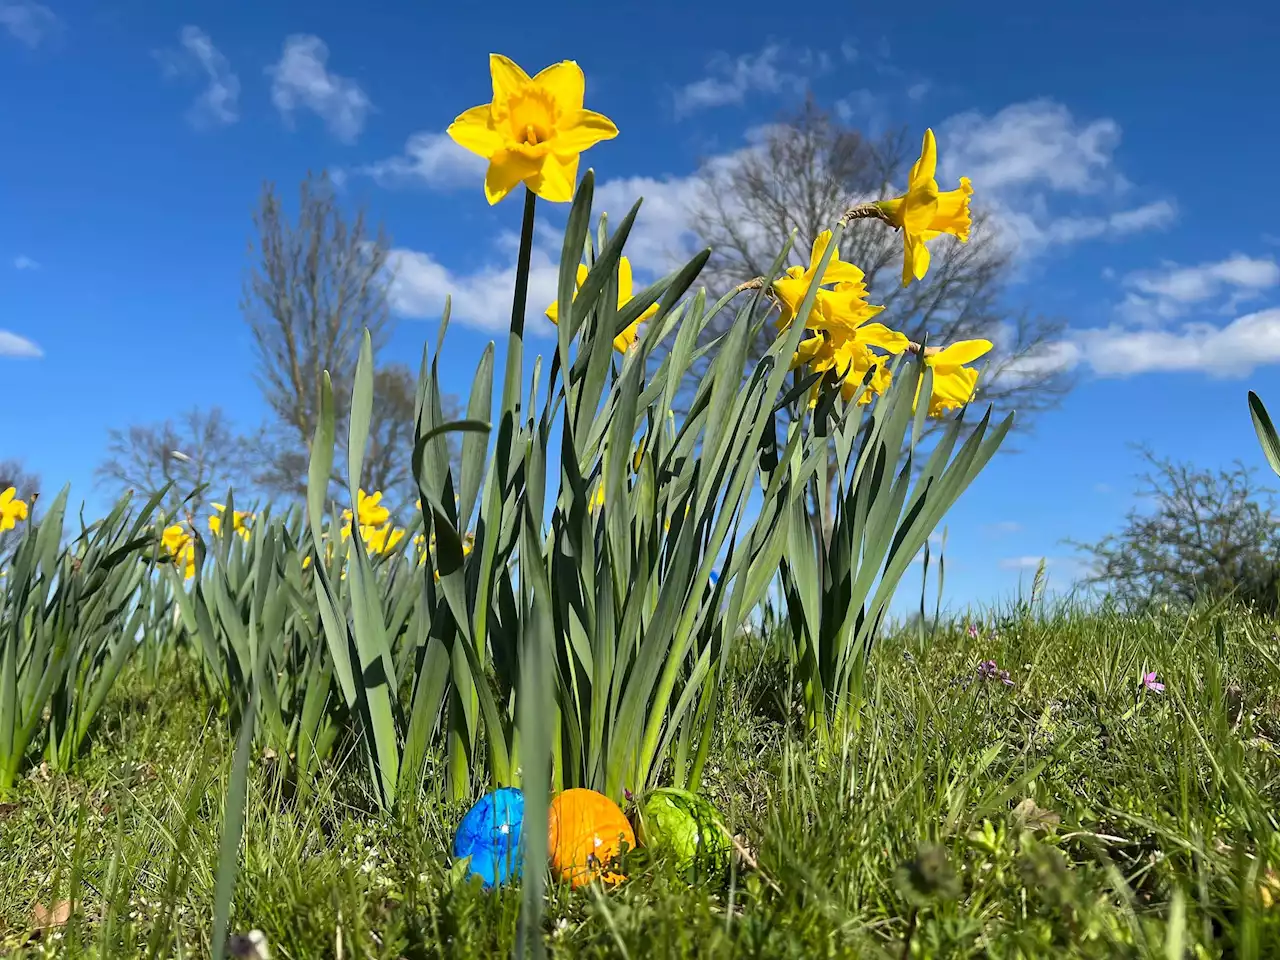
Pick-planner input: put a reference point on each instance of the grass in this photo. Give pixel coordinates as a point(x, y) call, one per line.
point(1068, 814)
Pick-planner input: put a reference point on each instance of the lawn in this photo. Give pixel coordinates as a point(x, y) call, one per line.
point(1072, 811)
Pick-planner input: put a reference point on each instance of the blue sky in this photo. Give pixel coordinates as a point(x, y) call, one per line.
point(1127, 150)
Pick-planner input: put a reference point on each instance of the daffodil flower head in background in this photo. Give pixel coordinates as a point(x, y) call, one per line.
point(369, 512)
point(626, 293)
point(851, 359)
point(239, 522)
point(12, 510)
point(954, 384)
point(533, 130)
point(180, 547)
point(925, 212)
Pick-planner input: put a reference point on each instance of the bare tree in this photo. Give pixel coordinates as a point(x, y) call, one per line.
point(318, 284)
point(1203, 535)
point(803, 174)
point(200, 450)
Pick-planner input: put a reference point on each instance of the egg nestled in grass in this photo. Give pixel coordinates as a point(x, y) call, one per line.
point(490, 835)
point(587, 833)
point(686, 828)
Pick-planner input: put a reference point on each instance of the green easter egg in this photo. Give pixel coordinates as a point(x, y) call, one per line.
point(685, 826)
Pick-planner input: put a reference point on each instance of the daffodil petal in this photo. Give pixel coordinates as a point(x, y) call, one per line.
point(555, 181)
point(581, 131)
point(626, 282)
point(961, 352)
point(565, 82)
point(474, 131)
point(507, 169)
point(508, 78)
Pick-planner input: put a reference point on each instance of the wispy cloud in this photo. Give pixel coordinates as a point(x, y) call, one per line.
point(27, 22)
point(218, 103)
point(301, 80)
point(730, 80)
point(1024, 563)
point(1033, 162)
point(480, 299)
point(1171, 290)
point(12, 345)
point(431, 160)
point(23, 262)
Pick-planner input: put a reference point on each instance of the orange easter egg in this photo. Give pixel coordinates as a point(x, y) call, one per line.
point(587, 831)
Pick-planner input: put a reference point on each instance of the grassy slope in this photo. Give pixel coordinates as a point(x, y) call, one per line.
point(1166, 806)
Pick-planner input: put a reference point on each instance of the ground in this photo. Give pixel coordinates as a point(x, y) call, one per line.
point(1073, 812)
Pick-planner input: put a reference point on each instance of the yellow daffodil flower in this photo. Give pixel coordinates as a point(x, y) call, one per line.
point(382, 539)
point(851, 359)
point(180, 547)
point(533, 131)
point(369, 512)
point(923, 212)
point(843, 314)
point(11, 509)
point(954, 384)
point(792, 286)
point(626, 286)
point(238, 523)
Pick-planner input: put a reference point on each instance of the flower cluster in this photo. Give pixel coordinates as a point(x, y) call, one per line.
point(12, 509)
point(990, 670)
point(533, 132)
point(377, 531)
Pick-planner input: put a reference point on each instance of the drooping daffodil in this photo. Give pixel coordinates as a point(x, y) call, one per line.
point(954, 384)
point(925, 212)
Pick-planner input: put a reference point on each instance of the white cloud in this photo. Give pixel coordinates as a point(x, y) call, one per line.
point(1030, 159)
point(12, 345)
point(218, 104)
point(1169, 292)
point(1024, 563)
point(918, 91)
point(301, 80)
point(23, 262)
point(1036, 143)
point(1225, 352)
point(731, 79)
point(432, 159)
point(28, 22)
point(480, 299)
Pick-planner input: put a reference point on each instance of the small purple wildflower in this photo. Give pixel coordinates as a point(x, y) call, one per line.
point(1149, 682)
point(973, 631)
point(990, 670)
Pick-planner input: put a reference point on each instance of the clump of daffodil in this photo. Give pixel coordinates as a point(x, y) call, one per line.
point(239, 521)
point(626, 287)
point(954, 384)
point(12, 509)
point(533, 131)
point(180, 547)
point(924, 212)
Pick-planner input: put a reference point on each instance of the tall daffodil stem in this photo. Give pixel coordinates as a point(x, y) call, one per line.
point(512, 390)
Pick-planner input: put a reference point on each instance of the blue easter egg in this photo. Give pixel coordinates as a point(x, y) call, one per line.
point(490, 835)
